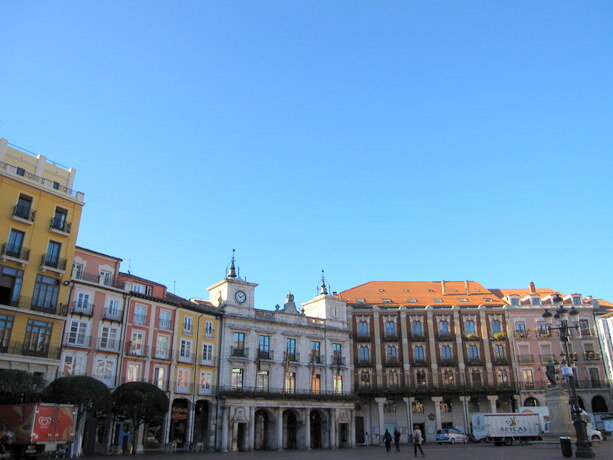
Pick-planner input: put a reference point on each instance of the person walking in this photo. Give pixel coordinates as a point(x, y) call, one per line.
point(366, 439)
point(397, 439)
point(417, 440)
point(387, 439)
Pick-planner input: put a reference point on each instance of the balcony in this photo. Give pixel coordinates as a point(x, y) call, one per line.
point(315, 358)
point(291, 357)
point(265, 355)
point(35, 350)
point(162, 353)
point(136, 350)
point(420, 363)
point(501, 361)
point(184, 388)
point(23, 213)
point(471, 336)
point(54, 263)
point(594, 383)
point(239, 352)
point(542, 333)
point(140, 320)
point(185, 357)
point(78, 340)
point(59, 225)
point(273, 393)
point(416, 337)
point(474, 362)
point(392, 361)
point(525, 334)
point(165, 324)
point(112, 314)
point(390, 338)
point(499, 336)
point(538, 385)
point(97, 278)
point(44, 306)
point(571, 356)
point(188, 330)
point(442, 388)
point(337, 361)
point(525, 359)
point(587, 332)
point(40, 181)
point(106, 344)
point(445, 336)
point(363, 337)
point(82, 308)
point(15, 253)
point(364, 362)
point(591, 356)
point(448, 362)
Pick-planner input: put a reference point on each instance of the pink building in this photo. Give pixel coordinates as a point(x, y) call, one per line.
point(534, 345)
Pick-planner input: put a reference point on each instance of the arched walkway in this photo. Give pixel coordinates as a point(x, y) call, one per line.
point(319, 429)
point(599, 404)
point(290, 429)
point(264, 430)
point(201, 422)
point(178, 422)
point(531, 402)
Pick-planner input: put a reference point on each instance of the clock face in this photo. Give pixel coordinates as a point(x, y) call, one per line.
point(240, 296)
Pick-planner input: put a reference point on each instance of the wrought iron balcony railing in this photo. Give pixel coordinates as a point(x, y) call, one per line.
point(60, 225)
point(82, 308)
point(52, 261)
point(239, 352)
point(15, 251)
point(24, 212)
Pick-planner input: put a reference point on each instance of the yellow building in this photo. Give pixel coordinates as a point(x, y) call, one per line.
point(39, 221)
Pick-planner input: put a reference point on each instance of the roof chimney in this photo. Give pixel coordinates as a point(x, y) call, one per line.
point(443, 287)
point(532, 288)
point(467, 284)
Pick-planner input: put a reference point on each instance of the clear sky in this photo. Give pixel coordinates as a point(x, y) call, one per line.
point(378, 140)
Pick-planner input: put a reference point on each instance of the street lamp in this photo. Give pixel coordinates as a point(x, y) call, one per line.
point(584, 446)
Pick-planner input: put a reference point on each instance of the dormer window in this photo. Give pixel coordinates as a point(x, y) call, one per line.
point(514, 301)
point(430, 290)
point(405, 290)
point(463, 299)
point(381, 290)
point(454, 290)
point(359, 300)
point(411, 300)
point(386, 300)
point(487, 299)
point(535, 301)
point(438, 300)
point(477, 290)
point(576, 300)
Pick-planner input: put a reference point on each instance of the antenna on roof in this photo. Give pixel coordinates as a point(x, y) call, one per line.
point(174, 286)
point(129, 266)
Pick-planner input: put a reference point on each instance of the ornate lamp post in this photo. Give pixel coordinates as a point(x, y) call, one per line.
point(584, 446)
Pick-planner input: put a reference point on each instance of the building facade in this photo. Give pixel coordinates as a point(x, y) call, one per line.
point(428, 354)
point(284, 375)
point(38, 229)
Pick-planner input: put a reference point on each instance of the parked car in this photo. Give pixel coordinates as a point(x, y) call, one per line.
point(451, 435)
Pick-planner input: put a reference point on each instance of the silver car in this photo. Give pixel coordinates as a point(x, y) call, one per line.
point(450, 435)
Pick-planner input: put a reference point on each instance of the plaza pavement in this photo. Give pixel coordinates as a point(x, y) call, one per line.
point(443, 452)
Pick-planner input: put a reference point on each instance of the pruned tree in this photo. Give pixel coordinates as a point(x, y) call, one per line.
point(20, 387)
point(137, 402)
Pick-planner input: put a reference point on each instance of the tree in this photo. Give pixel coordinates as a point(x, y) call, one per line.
point(20, 387)
point(137, 402)
point(91, 395)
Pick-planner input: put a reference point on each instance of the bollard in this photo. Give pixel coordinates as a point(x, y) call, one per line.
point(566, 446)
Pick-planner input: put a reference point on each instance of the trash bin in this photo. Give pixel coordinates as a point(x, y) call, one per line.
point(567, 447)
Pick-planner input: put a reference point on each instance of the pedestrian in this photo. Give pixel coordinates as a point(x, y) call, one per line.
point(387, 439)
point(417, 440)
point(366, 439)
point(397, 439)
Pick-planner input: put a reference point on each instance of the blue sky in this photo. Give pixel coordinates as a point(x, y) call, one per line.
point(378, 140)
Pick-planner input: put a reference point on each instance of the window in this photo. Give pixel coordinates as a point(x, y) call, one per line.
point(496, 326)
point(140, 315)
point(73, 365)
point(10, 285)
point(535, 301)
point(527, 377)
point(183, 380)
point(446, 352)
point(38, 335)
point(45, 292)
point(338, 384)
point(364, 354)
point(337, 353)
point(389, 408)
point(165, 322)
point(473, 352)
point(112, 310)
point(136, 343)
point(162, 346)
point(20, 172)
point(15, 244)
point(315, 383)
point(239, 340)
point(262, 381)
point(104, 370)
point(264, 347)
point(185, 351)
point(417, 407)
point(411, 300)
point(23, 207)
point(82, 304)
point(421, 378)
point(133, 372)
point(208, 329)
point(159, 377)
point(503, 375)
point(207, 353)
point(445, 405)
point(107, 278)
point(469, 326)
point(77, 333)
point(237, 379)
point(60, 220)
point(290, 382)
point(6, 326)
point(393, 380)
point(108, 338)
point(392, 352)
point(205, 383)
point(390, 328)
point(443, 327)
point(290, 349)
point(315, 351)
point(141, 288)
point(438, 300)
point(520, 327)
point(476, 377)
point(363, 329)
point(463, 299)
point(419, 353)
point(364, 380)
point(584, 326)
point(515, 301)
point(52, 258)
point(448, 377)
point(499, 352)
point(576, 301)
point(188, 325)
point(417, 328)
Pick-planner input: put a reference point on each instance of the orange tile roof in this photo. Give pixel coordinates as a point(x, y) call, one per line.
point(399, 293)
point(542, 292)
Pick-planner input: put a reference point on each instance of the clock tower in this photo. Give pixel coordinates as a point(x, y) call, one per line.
point(232, 290)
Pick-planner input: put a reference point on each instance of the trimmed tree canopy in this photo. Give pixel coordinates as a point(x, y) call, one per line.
point(139, 401)
point(20, 387)
point(91, 393)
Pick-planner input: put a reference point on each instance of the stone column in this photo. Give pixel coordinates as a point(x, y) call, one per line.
point(333, 438)
point(167, 422)
point(380, 405)
point(351, 428)
point(408, 402)
point(559, 413)
point(224, 428)
point(433, 351)
point(190, 424)
point(437, 410)
point(250, 441)
point(487, 355)
point(307, 429)
point(492, 399)
point(406, 367)
point(465, 400)
point(517, 403)
point(279, 428)
point(377, 345)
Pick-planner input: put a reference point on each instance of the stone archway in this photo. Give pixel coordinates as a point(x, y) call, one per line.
point(318, 423)
point(290, 429)
point(531, 402)
point(264, 430)
point(179, 416)
point(201, 422)
point(599, 404)
point(581, 404)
